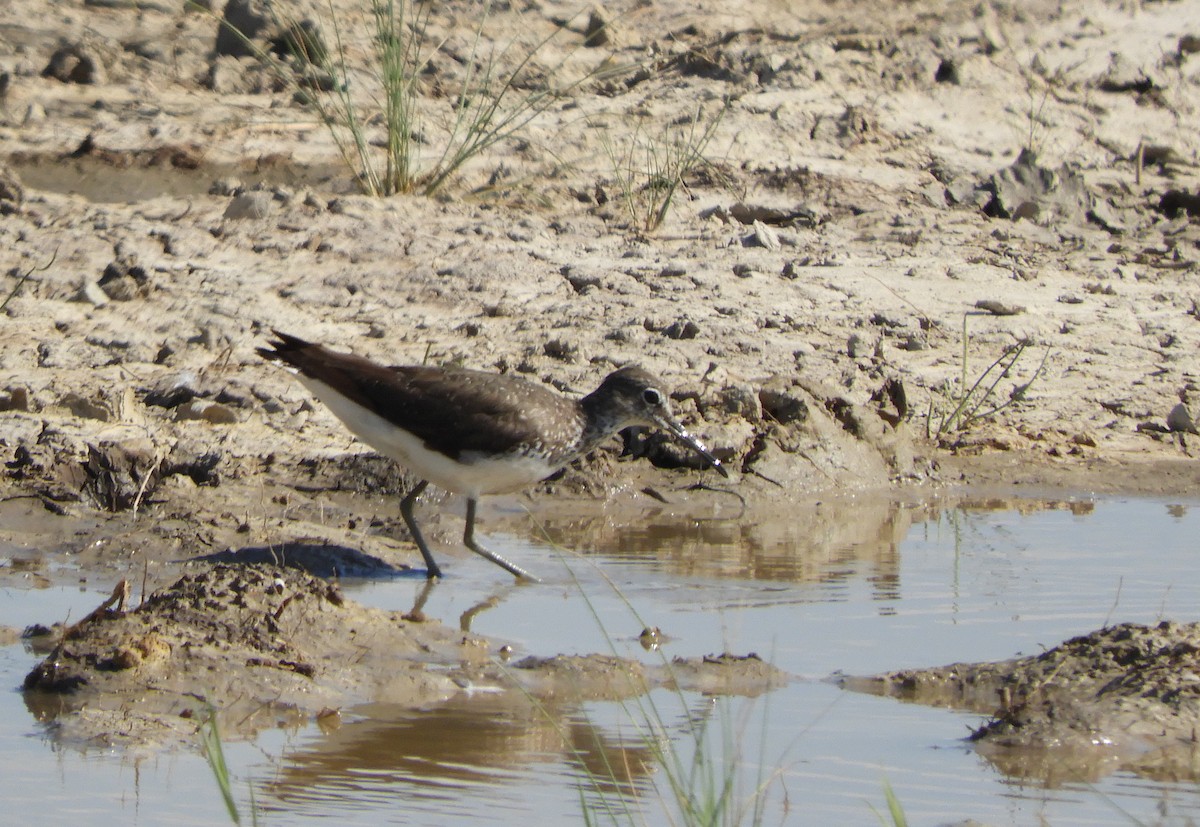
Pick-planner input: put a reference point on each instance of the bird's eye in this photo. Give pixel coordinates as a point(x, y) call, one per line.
point(652, 397)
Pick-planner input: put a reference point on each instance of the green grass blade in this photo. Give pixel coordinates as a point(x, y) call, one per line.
point(210, 741)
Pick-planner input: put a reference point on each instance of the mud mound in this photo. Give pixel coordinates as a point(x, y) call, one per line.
point(262, 644)
point(1123, 697)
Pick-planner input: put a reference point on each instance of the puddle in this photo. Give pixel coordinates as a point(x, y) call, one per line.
point(128, 179)
point(858, 593)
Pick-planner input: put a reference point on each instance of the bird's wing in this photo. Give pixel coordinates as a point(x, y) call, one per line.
point(451, 410)
point(463, 412)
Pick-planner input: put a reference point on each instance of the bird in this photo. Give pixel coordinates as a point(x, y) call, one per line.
point(471, 432)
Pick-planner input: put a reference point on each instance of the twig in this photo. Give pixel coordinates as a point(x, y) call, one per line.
point(1116, 600)
point(25, 277)
point(145, 482)
point(119, 596)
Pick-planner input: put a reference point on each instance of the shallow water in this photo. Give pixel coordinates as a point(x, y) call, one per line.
point(857, 589)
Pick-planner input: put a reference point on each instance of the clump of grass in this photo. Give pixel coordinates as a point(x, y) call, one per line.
point(700, 760)
point(488, 108)
point(701, 768)
point(399, 33)
point(493, 103)
point(705, 778)
point(965, 402)
point(649, 166)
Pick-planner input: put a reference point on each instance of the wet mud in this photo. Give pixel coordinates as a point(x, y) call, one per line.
point(896, 197)
point(258, 645)
point(1125, 697)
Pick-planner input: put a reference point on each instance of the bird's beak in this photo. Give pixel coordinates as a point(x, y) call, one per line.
point(696, 445)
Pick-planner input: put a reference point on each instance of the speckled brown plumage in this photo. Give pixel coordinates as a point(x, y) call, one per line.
point(471, 432)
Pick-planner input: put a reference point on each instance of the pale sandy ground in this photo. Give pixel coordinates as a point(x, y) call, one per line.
point(871, 124)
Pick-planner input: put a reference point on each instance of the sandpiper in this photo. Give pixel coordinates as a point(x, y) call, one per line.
point(470, 432)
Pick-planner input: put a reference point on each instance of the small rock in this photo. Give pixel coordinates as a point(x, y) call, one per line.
point(195, 462)
point(936, 194)
point(965, 190)
point(599, 29)
point(14, 399)
point(999, 308)
point(681, 330)
point(743, 213)
point(90, 293)
point(1124, 75)
point(11, 191)
point(121, 289)
point(743, 271)
point(782, 403)
point(947, 72)
point(86, 408)
point(857, 346)
point(174, 390)
point(124, 279)
point(741, 400)
point(228, 186)
point(1160, 154)
point(202, 409)
point(1027, 211)
point(133, 653)
point(75, 63)
point(1175, 202)
point(764, 236)
point(120, 473)
point(561, 349)
point(1028, 190)
point(254, 204)
point(650, 638)
point(242, 21)
point(1179, 420)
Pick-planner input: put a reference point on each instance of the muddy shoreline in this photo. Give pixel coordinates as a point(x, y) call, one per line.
point(888, 210)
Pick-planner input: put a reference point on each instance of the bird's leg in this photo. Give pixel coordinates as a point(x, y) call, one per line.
point(417, 612)
point(469, 541)
point(465, 619)
point(406, 511)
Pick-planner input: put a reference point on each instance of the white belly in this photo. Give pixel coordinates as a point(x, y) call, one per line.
point(472, 478)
